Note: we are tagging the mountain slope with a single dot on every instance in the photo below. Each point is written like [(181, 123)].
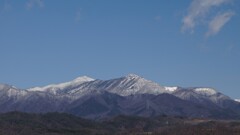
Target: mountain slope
[(55, 88), (131, 84), (129, 95)]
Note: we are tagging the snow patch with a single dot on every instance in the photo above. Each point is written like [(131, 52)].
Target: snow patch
[(237, 100), (61, 86), (206, 91), (83, 79), (171, 89), (132, 76), (132, 84)]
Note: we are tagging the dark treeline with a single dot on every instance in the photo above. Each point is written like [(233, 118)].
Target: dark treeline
[(17, 123)]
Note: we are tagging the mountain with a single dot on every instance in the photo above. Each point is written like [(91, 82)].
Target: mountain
[(237, 100), (128, 95), (59, 88), (130, 85)]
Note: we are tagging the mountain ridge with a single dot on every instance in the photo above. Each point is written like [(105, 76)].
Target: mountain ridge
[(131, 95)]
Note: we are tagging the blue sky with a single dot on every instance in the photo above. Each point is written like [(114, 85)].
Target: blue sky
[(184, 43)]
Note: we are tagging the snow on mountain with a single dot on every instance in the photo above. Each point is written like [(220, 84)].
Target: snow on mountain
[(84, 92), (4, 86), (237, 100), (171, 89), (128, 85), (58, 87), (124, 86), (131, 84), (204, 96), (11, 91), (205, 91)]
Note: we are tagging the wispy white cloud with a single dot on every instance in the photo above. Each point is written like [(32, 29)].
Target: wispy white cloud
[(197, 12), (32, 3), (218, 22)]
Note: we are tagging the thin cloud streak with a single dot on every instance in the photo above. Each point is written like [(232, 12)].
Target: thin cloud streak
[(197, 11), (218, 22)]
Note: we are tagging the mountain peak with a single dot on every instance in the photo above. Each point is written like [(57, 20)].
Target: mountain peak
[(4, 86), (208, 91), (83, 79), (61, 86), (171, 89), (133, 76), (132, 84), (237, 100)]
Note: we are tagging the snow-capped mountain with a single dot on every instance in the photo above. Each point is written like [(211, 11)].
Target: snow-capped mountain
[(199, 93), (171, 89), (123, 86), (130, 95), (205, 91), (54, 88), (11, 91), (130, 85), (237, 100)]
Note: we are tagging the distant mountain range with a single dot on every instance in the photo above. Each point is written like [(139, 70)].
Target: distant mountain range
[(128, 95)]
